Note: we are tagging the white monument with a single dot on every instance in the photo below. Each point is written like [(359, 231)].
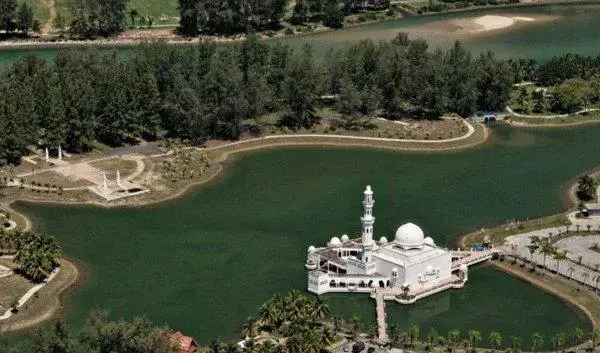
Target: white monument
[(59, 152), (47, 155), (411, 263), (118, 178), (104, 186)]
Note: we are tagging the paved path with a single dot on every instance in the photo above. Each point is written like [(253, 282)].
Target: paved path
[(512, 112), (470, 132), (570, 268), (30, 293), (381, 321), (48, 26)]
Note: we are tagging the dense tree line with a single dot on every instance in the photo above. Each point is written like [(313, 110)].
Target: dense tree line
[(229, 16), (36, 254), (568, 66), (101, 335), (91, 18), (17, 17), (208, 91), (332, 12)]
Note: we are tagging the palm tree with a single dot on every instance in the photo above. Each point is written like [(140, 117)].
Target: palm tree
[(414, 332), (523, 100), (594, 337), (571, 269), (559, 256), (432, 337), (453, 337), (536, 341), (250, 328), (495, 339), (540, 101), (474, 338), (532, 248), (337, 320), (547, 249), (355, 322), (578, 335), (516, 343), (585, 276), (558, 341), (320, 309)]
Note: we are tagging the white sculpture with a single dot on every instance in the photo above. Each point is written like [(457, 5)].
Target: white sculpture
[(104, 180), (47, 155), (118, 178), (59, 152)]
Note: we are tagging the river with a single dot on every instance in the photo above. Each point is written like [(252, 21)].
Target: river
[(203, 263), (555, 29)]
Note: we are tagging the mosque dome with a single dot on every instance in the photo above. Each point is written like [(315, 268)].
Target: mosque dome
[(345, 238), (383, 240), (312, 249), (429, 241), (335, 242), (410, 236)]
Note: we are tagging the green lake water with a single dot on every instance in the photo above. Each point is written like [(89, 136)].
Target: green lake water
[(557, 29), (203, 263)]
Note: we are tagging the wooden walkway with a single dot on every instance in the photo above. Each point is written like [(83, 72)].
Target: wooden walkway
[(381, 321)]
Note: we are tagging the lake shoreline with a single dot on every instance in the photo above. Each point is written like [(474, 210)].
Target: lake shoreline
[(58, 43)]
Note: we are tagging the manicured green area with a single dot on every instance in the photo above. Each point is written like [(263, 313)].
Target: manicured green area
[(579, 118), (164, 11), (203, 263), (40, 10)]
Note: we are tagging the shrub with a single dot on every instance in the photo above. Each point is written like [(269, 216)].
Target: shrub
[(289, 31)]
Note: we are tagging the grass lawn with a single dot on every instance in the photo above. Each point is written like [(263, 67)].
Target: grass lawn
[(496, 235), (11, 287), (436, 129), (124, 166), (573, 119), (165, 12), (40, 10)]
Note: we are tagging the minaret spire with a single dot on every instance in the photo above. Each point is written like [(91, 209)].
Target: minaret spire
[(367, 219)]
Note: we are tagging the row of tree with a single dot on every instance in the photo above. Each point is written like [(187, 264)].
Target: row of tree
[(229, 16), (568, 97), (208, 91), (36, 254), (99, 334), (556, 70), (332, 12), (92, 18), (17, 17)]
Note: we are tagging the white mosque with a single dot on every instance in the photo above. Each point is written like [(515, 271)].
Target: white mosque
[(407, 268)]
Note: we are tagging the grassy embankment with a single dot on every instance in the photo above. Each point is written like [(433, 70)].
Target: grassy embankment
[(497, 234), (164, 12), (559, 121), (41, 10)]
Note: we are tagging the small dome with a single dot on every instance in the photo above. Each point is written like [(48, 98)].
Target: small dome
[(383, 240), (368, 190), (345, 238), (395, 269), (410, 236), (335, 242), (429, 269), (312, 249), (373, 285), (429, 241)]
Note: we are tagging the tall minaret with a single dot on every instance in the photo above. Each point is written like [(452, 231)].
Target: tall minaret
[(367, 221)]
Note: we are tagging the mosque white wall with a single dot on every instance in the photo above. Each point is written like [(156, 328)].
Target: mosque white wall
[(418, 272)]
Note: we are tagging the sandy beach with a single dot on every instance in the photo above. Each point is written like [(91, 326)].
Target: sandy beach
[(494, 22)]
